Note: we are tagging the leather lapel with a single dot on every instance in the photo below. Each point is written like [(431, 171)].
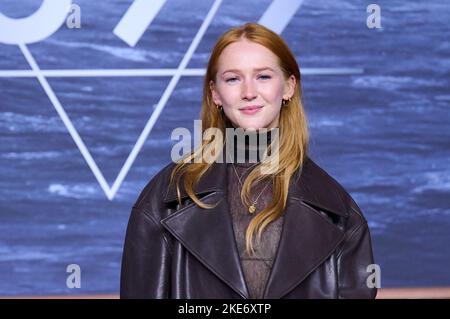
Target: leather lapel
[(307, 239), (208, 233)]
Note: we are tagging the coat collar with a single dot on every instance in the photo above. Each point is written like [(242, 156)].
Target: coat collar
[(296, 258), (310, 184)]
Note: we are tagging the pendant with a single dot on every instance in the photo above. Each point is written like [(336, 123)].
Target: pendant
[(251, 209)]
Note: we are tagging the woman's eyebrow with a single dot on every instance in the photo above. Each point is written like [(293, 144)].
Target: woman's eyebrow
[(257, 69)]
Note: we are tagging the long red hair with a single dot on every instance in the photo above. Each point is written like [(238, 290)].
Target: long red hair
[(293, 132)]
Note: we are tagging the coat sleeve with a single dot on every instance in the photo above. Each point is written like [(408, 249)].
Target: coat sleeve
[(354, 276), (145, 271)]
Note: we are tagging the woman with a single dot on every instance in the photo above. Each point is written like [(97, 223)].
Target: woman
[(229, 229)]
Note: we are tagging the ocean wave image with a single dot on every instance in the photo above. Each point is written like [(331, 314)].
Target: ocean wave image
[(87, 113)]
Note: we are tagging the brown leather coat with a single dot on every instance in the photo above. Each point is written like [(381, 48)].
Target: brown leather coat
[(174, 251)]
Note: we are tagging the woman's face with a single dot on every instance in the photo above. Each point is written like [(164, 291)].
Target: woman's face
[(250, 85)]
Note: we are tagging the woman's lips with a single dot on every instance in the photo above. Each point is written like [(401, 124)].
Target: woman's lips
[(251, 109)]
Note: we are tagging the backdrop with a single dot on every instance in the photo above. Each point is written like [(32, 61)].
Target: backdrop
[(90, 92)]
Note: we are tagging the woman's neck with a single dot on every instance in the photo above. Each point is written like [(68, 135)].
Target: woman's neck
[(246, 146)]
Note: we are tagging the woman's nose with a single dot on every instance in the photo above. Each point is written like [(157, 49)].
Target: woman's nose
[(248, 90)]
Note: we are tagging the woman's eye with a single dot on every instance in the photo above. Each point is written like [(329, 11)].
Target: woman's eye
[(231, 79), (265, 77)]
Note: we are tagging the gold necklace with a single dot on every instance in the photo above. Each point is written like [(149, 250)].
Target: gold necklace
[(252, 207)]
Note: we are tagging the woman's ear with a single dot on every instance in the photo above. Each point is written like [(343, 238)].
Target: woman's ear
[(215, 95), (289, 87)]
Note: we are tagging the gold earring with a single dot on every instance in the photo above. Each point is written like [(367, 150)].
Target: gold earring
[(286, 101), (219, 107)]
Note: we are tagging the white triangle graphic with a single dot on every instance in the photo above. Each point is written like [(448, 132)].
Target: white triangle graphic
[(110, 191)]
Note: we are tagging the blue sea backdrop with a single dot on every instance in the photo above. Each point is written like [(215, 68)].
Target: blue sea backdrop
[(382, 129)]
